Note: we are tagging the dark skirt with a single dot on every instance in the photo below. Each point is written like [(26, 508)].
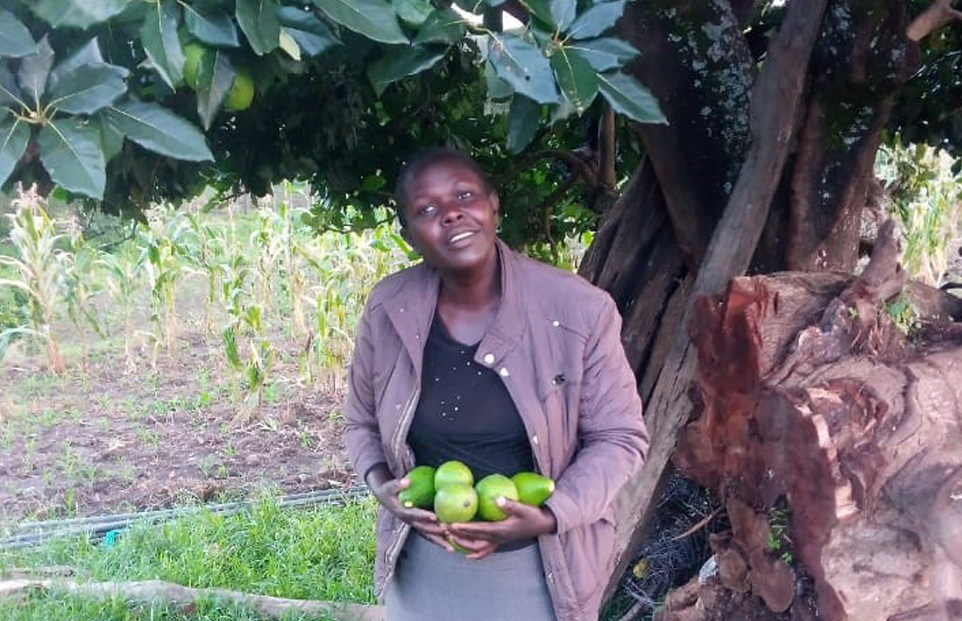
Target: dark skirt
[(430, 583)]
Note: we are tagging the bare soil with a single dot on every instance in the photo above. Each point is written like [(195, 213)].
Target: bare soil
[(159, 437)]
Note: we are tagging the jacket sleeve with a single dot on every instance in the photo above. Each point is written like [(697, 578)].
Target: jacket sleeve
[(362, 434), (613, 441)]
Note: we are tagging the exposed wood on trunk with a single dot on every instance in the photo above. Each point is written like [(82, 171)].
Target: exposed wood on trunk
[(779, 85), (937, 15), (861, 60), (811, 394), (696, 62), (158, 592)]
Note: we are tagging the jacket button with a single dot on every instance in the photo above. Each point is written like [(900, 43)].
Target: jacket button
[(556, 323), (550, 577), (503, 372), (534, 439), (489, 359)]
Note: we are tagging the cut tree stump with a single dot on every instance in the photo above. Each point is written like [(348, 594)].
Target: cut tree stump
[(158, 592), (811, 395)]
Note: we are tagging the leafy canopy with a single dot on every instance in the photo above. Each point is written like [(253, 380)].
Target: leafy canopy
[(132, 101)]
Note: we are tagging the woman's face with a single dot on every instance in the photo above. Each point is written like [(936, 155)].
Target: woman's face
[(451, 217)]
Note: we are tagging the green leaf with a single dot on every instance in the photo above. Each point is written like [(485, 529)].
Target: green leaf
[(523, 120), (442, 26), (111, 138), (88, 88), (34, 71), (375, 19), (258, 20), (10, 94), (497, 88), (161, 43), (630, 98), (15, 39), (210, 98), (414, 12), (159, 130), (395, 66), (605, 53), (73, 156), (578, 81), (87, 54), (312, 35), (596, 20), (215, 29), (556, 13), (77, 13), (524, 66), (14, 136), (289, 45)]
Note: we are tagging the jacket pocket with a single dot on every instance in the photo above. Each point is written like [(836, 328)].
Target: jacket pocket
[(589, 552)]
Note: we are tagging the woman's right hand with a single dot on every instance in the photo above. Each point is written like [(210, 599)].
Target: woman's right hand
[(386, 489)]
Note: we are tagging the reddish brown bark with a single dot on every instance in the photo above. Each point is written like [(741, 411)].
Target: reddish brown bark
[(812, 395)]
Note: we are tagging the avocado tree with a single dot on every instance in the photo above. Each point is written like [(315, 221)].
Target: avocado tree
[(701, 139)]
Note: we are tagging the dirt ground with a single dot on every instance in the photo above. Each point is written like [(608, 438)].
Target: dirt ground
[(157, 438)]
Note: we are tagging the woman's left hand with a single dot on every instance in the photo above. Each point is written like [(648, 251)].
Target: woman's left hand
[(523, 522)]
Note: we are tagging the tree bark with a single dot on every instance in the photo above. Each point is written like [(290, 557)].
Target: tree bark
[(697, 63), (860, 62), (811, 394)]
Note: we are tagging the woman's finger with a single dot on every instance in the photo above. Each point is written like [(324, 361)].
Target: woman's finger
[(439, 540)]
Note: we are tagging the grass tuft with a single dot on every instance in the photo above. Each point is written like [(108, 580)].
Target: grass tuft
[(322, 552)]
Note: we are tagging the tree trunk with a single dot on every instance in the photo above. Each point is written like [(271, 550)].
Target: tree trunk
[(812, 396), (652, 244)]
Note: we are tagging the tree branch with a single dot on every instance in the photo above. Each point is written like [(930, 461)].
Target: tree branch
[(606, 146), (580, 167), (931, 19), (157, 591)]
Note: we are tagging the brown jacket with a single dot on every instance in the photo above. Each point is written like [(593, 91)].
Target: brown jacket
[(555, 343)]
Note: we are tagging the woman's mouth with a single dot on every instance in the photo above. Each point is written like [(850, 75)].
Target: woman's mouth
[(460, 238)]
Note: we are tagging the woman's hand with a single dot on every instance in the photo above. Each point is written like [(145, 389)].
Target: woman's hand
[(385, 488), (523, 522)]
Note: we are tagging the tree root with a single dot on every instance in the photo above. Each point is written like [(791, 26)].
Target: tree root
[(149, 592)]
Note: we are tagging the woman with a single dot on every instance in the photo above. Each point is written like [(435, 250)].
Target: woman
[(483, 355)]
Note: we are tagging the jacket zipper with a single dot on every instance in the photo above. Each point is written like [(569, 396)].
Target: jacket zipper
[(400, 432)]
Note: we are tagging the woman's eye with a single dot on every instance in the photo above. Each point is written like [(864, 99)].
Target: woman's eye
[(465, 195), (426, 210)]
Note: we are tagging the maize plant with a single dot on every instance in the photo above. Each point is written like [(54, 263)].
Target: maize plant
[(266, 243), (256, 366), (38, 273), (123, 268), (296, 281), (163, 253), (80, 292), (207, 249)]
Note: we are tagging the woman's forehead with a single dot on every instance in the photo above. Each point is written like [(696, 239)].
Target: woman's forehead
[(446, 167)]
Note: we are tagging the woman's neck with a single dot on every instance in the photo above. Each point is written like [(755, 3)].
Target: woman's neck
[(476, 290)]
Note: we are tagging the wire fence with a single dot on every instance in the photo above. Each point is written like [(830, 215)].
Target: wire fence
[(97, 527), (670, 555)]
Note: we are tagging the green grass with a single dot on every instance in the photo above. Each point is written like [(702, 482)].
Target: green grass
[(322, 552)]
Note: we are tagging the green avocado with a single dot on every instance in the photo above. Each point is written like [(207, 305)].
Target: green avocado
[(420, 492), (533, 488)]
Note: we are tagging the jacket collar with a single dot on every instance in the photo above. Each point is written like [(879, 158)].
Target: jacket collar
[(411, 310)]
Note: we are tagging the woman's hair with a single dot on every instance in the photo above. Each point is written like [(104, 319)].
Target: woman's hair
[(425, 159)]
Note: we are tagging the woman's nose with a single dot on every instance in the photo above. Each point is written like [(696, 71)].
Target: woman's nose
[(452, 213)]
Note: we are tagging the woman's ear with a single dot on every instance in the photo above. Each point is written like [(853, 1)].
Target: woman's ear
[(495, 202), (406, 236)]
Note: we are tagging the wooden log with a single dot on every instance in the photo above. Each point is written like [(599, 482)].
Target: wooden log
[(158, 592), (853, 424)]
